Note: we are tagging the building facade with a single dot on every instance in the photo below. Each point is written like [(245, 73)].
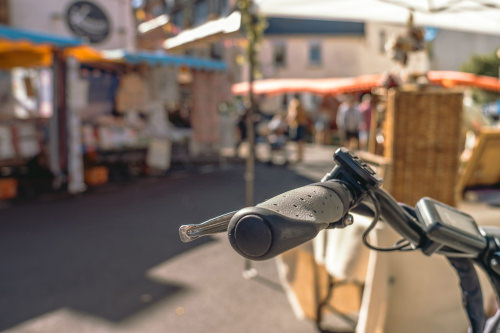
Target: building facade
[(445, 49), (187, 14), (308, 48), (298, 48), (450, 49), (104, 24)]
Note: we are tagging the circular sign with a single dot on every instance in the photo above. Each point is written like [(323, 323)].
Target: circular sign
[(85, 19)]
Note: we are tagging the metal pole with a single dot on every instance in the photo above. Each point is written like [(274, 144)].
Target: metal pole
[(250, 161), (74, 103), (54, 159), (250, 272)]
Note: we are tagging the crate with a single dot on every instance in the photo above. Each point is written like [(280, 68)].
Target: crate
[(8, 188), (424, 138), (97, 175)]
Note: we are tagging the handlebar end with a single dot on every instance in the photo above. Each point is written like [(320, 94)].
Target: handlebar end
[(257, 233), (185, 234), (253, 236)]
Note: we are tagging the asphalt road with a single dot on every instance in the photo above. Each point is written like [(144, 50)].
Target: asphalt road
[(111, 260)]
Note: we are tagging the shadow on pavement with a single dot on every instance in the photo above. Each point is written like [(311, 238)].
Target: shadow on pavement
[(92, 253)]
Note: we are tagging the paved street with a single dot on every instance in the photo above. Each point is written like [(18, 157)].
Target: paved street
[(111, 260)]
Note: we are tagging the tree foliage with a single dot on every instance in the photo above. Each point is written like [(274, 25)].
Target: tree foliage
[(483, 64), (254, 26)]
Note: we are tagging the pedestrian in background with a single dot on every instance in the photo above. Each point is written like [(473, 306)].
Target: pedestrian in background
[(365, 109), (297, 125), (324, 120), (278, 137), (348, 122)]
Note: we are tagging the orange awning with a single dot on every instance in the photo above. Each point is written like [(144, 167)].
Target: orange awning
[(24, 48), (456, 79), (24, 54), (361, 83), (84, 53), (317, 86)]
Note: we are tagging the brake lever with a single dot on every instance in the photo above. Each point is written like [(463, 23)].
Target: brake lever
[(190, 232)]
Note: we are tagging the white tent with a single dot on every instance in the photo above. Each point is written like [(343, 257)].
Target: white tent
[(466, 15)]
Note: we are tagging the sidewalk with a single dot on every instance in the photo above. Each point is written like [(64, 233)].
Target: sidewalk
[(317, 161)]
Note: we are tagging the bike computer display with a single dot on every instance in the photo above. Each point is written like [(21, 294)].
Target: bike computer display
[(448, 228)]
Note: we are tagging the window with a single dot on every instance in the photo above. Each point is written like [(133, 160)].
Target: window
[(216, 51), (158, 9), (137, 3), (315, 54), (4, 12), (279, 54), (200, 14), (221, 7), (178, 19)]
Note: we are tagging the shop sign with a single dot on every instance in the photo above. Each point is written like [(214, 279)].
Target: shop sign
[(87, 20)]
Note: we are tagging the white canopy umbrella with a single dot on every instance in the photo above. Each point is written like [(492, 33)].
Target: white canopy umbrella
[(466, 15)]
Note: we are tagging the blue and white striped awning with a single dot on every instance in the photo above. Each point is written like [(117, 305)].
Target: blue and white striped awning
[(165, 59), (18, 35), (13, 39)]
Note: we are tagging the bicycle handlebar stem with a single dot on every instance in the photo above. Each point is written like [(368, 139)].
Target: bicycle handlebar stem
[(398, 218)]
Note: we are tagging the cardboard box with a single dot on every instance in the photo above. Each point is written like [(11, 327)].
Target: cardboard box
[(8, 188), (96, 176)]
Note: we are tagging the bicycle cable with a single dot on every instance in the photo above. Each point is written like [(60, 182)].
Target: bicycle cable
[(401, 245)]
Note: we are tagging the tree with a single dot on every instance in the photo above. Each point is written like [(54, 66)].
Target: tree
[(254, 26), (483, 64)]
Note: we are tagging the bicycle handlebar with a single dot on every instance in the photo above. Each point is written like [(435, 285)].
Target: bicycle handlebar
[(296, 216), (289, 219)]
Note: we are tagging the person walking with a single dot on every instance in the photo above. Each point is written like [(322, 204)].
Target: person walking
[(348, 122), (365, 109), (297, 125), (324, 123), (278, 137)]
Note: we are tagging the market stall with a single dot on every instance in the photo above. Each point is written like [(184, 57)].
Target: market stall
[(146, 110), (73, 116), (32, 115)]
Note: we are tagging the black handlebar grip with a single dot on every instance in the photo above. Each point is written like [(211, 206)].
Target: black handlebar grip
[(288, 220)]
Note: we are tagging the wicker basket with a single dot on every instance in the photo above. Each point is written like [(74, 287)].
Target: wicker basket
[(423, 141)]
